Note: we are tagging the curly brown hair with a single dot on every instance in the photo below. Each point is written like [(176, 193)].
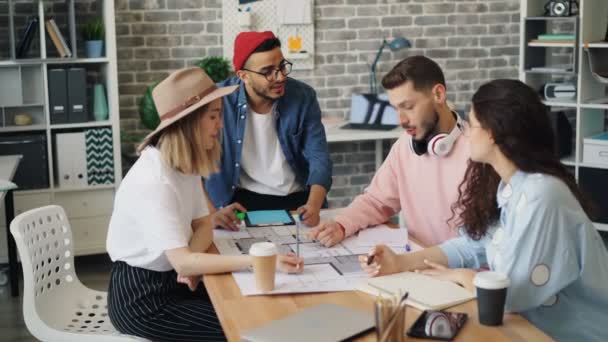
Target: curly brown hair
[(518, 121)]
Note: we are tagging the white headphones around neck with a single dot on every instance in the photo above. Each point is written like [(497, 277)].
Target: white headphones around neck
[(439, 144)]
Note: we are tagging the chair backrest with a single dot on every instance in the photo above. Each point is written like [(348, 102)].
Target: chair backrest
[(44, 240)]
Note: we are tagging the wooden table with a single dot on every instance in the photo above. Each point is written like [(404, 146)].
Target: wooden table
[(238, 313), (8, 166)]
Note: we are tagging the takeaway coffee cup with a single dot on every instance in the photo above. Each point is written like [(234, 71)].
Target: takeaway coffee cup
[(264, 259), (491, 295)]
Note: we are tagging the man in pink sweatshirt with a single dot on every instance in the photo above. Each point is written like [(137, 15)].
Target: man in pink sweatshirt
[(424, 168)]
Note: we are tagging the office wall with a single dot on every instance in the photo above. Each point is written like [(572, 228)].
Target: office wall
[(473, 40)]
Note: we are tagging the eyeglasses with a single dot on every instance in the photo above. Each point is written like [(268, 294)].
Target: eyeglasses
[(466, 128), (272, 74)]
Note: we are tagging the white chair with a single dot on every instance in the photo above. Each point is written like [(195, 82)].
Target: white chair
[(56, 305)]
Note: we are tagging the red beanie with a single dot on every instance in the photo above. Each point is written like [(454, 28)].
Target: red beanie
[(244, 45)]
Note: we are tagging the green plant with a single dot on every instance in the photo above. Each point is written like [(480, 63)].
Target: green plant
[(93, 30), (218, 68), (147, 110)]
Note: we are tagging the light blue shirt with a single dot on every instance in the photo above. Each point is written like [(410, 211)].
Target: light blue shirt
[(556, 259)]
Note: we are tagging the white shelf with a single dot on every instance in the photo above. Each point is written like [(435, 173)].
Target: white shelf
[(33, 191), (551, 72), (560, 104), (595, 45), (594, 106), (83, 124), (551, 18), (549, 44), (601, 226), (594, 166), (25, 105), (569, 160), (18, 62), (85, 188), (76, 60), (37, 61), (22, 128)]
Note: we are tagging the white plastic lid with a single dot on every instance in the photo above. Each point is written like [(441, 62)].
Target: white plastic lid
[(263, 249), (491, 280)]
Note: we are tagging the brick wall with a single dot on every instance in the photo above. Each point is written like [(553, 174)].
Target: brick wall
[(473, 41)]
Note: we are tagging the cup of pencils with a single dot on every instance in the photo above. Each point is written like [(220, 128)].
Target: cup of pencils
[(390, 318)]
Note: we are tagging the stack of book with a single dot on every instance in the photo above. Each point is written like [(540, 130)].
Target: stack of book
[(554, 38), (53, 31)]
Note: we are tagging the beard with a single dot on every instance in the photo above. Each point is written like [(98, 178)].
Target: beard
[(428, 127), (264, 92)]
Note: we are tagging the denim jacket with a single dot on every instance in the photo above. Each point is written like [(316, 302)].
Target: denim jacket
[(299, 129)]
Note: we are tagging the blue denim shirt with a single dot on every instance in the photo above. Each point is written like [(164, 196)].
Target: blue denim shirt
[(299, 129)]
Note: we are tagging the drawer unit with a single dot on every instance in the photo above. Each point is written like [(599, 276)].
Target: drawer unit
[(595, 149), (86, 203)]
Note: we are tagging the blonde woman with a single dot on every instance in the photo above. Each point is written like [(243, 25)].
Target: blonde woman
[(160, 230)]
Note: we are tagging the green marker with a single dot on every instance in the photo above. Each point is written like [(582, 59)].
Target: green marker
[(239, 215)]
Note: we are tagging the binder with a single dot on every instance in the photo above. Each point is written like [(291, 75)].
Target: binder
[(55, 39), (71, 159), (64, 45), (58, 97), (28, 36), (77, 95)]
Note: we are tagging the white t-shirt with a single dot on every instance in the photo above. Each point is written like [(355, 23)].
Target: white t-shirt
[(264, 168), (153, 211)]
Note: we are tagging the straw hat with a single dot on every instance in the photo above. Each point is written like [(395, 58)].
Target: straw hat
[(182, 93)]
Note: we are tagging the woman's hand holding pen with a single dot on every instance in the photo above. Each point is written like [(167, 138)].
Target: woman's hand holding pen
[(226, 217), (289, 263), (381, 260)]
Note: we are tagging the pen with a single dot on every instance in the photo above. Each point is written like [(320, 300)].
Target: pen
[(370, 259), (298, 242)]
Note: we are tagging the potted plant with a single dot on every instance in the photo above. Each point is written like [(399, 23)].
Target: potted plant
[(218, 68), (93, 34)]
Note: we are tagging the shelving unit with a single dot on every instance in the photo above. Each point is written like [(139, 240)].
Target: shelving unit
[(24, 88), (589, 119)]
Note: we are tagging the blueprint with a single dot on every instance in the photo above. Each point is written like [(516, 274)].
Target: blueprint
[(326, 269)]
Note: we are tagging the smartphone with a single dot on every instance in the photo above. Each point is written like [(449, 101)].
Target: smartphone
[(438, 325)]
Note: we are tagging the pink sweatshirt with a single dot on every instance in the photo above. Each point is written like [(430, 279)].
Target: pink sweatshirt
[(423, 187)]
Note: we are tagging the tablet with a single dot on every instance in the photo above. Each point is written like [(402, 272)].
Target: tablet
[(261, 218)]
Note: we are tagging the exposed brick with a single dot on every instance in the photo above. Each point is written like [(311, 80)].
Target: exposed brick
[(363, 23), (187, 28), (396, 21), (146, 4), (148, 29), (169, 64), (183, 4), (161, 16), (433, 8), (163, 41)]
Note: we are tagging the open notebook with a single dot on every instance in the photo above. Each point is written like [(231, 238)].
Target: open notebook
[(425, 293)]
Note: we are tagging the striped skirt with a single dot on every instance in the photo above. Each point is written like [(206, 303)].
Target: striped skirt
[(153, 305)]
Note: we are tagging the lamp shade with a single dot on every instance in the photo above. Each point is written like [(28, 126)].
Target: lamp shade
[(399, 43)]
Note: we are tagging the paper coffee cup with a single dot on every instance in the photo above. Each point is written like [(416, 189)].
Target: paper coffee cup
[(491, 296), (264, 259)]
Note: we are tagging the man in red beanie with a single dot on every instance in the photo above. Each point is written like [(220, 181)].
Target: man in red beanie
[(275, 153)]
